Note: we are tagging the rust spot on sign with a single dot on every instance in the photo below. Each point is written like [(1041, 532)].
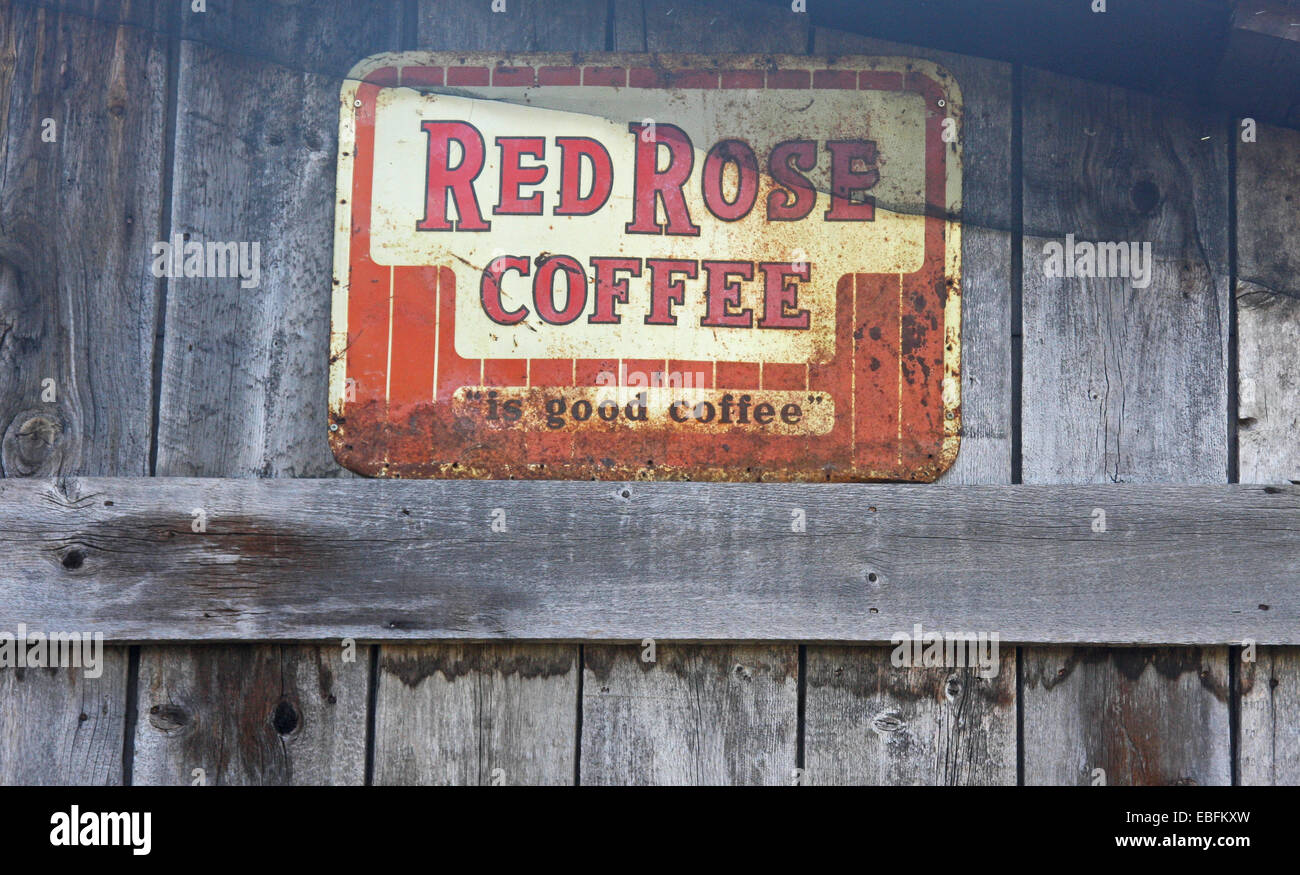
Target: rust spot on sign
[(647, 266)]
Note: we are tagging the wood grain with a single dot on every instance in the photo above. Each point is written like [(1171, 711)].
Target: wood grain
[(1140, 716), (252, 715), (870, 722), (498, 715), (58, 726), (1268, 307), (374, 560), (78, 309), (1268, 417), (1125, 384), (244, 369), (716, 715)]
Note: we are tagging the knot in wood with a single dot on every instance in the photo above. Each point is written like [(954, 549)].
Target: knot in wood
[(168, 719), (33, 445)]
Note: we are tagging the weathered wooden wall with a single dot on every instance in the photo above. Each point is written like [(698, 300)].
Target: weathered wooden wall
[(222, 124)]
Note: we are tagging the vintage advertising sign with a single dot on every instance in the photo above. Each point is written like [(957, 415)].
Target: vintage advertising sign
[(647, 266)]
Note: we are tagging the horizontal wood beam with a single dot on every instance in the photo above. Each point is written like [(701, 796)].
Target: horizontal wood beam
[(149, 559)]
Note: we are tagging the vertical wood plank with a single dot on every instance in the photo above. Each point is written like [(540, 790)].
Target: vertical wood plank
[(244, 373), (698, 714), (1124, 384), (475, 714), (251, 715), (867, 722), (1268, 417), (78, 308), (485, 713)]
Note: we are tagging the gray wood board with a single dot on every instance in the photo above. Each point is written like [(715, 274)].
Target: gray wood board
[(244, 372), (1268, 307), (374, 560), (871, 722), (1268, 417), (690, 714), (496, 714), (1130, 716), (78, 308), (252, 715), (1123, 383), (866, 721)]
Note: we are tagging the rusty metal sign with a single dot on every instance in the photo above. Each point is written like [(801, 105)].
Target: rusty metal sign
[(647, 266)]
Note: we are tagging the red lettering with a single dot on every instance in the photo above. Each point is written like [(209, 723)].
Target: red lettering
[(513, 176), (721, 294), (544, 290), (739, 153), (572, 152), (845, 181), (775, 303), (490, 289), (442, 178), (666, 291), (653, 185), (610, 289), (782, 206)]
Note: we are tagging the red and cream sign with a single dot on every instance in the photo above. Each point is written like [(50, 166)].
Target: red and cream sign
[(622, 266)]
